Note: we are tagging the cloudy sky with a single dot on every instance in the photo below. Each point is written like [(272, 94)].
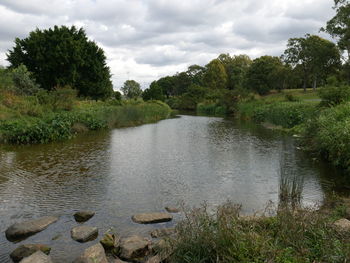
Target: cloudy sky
[(147, 39)]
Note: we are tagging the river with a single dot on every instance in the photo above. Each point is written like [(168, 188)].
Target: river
[(121, 172)]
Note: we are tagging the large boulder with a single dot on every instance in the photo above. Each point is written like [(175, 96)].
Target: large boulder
[(84, 233), (24, 229), (83, 216), (93, 254), (24, 251), (134, 247), (150, 218), (342, 224), (37, 257), (162, 232)]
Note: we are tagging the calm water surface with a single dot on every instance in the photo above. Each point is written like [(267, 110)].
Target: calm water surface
[(142, 169)]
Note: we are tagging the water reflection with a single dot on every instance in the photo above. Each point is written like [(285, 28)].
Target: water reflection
[(125, 171)]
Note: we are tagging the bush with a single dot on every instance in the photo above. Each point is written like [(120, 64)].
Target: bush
[(58, 99), (333, 95)]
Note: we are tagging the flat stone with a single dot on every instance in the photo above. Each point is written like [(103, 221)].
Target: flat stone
[(162, 232), (154, 259), (134, 247), (83, 216), (25, 229), (93, 254), (37, 257), (24, 251), (84, 233), (172, 209), (342, 224), (151, 218)]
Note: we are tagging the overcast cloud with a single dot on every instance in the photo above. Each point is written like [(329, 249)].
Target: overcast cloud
[(147, 39)]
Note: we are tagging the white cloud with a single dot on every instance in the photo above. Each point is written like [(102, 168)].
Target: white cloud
[(148, 39)]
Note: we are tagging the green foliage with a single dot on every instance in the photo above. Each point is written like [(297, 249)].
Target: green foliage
[(117, 95), (23, 81), (58, 98), (261, 74), (332, 95), (64, 56), (215, 76), (288, 237), (329, 135), (131, 89), (154, 92)]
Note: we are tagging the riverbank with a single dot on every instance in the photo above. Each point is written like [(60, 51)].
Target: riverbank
[(324, 131), (33, 119)]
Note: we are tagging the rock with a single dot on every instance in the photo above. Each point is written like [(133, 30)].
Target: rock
[(84, 233), (150, 218), (342, 224), (26, 250), (172, 209), (162, 232), (27, 228), (37, 257), (134, 247), (118, 260), (93, 254), (83, 216), (154, 259)]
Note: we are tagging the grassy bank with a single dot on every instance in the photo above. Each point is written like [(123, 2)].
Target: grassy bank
[(45, 118), (291, 236), (325, 130)]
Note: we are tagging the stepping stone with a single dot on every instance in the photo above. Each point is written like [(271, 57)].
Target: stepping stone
[(37, 257), (172, 209), (27, 228), (93, 254), (84, 233), (134, 247), (24, 251), (151, 218), (342, 224), (162, 232), (83, 216)]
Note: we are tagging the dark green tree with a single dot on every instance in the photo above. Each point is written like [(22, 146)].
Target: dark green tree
[(215, 76), (154, 92), (131, 89), (64, 56), (261, 74)]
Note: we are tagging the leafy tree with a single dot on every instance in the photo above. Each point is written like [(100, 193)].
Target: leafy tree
[(261, 74), (64, 56), (196, 74), (117, 95), (318, 57), (131, 89), (215, 76), (23, 81), (154, 92)]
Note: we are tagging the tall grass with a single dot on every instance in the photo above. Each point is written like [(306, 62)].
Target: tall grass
[(288, 237)]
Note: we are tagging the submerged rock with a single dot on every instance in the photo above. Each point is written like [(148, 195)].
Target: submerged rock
[(27, 228), (172, 209), (150, 218), (83, 216), (342, 224), (37, 257), (24, 251), (84, 233), (134, 247), (93, 254), (162, 232)]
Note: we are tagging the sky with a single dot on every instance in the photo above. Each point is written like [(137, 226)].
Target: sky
[(145, 40)]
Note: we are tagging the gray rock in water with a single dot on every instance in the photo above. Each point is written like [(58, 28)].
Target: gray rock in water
[(162, 232), (342, 224), (83, 216), (84, 233), (24, 251), (151, 218), (93, 254), (172, 209), (134, 247), (37, 257), (27, 228)]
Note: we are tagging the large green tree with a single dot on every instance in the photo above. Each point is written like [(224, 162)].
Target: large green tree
[(131, 89), (64, 56), (154, 92), (318, 57), (215, 76), (261, 76)]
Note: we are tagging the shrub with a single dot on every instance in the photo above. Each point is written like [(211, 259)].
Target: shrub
[(333, 95), (58, 99)]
